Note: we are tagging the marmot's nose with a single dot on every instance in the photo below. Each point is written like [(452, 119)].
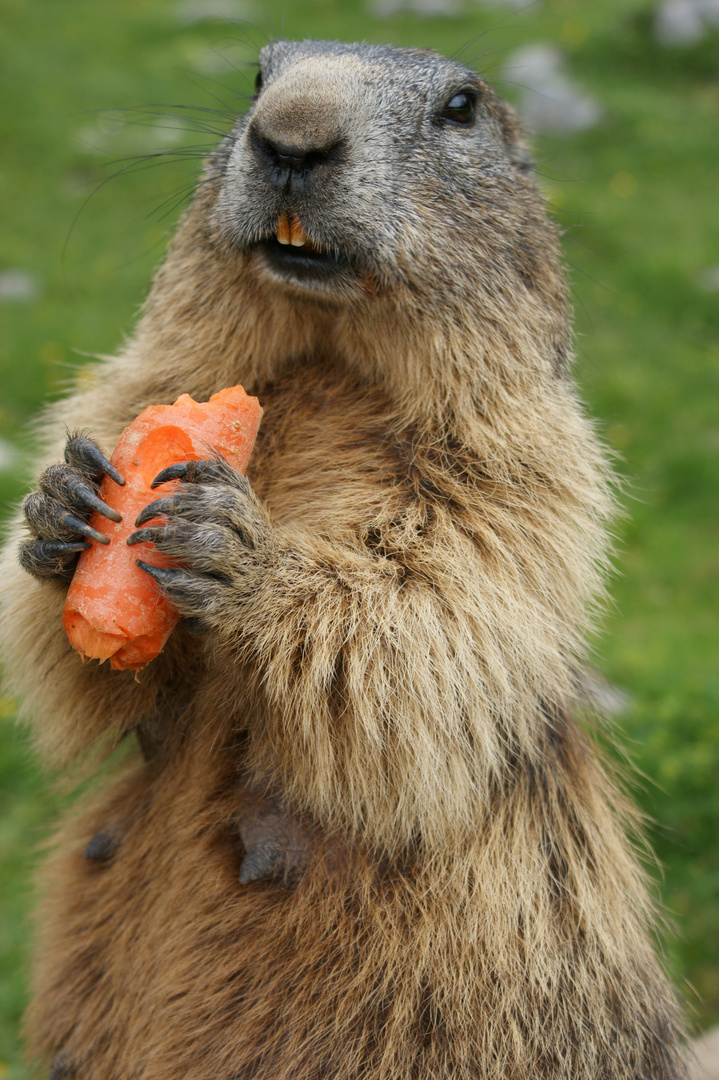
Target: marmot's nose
[(297, 128), (291, 163)]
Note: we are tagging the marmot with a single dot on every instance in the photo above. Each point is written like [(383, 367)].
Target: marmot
[(363, 835)]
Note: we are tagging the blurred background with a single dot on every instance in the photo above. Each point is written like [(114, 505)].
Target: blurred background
[(107, 111)]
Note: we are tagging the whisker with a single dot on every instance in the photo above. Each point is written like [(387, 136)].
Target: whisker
[(136, 163), (493, 28)]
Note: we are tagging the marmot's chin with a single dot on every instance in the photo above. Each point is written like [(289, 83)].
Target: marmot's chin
[(308, 267)]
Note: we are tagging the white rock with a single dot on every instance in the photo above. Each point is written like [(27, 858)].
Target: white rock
[(705, 1052), (709, 279), (385, 9), (710, 9), (216, 60), (18, 287), (100, 136), (8, 454), (608, 699), (195, 11), (550, 101), (170, 130), (535, 63), (518, 5), (684, 22)]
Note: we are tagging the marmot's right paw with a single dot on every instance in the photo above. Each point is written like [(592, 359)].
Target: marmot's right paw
[(102, 846), (58, 512)]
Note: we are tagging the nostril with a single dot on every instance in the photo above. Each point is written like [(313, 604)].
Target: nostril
[(290, 158), (293, 159), (262, 147), (275, 153)]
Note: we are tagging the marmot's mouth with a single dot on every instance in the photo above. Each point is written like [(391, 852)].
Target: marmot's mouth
[(297, 259)]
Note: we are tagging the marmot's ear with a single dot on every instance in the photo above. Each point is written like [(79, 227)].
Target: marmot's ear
[(514, 138)]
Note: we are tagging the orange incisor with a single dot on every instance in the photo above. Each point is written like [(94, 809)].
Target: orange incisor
[(289, 231)]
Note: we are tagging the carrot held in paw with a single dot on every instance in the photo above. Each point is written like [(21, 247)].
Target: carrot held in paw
[(113, 610)]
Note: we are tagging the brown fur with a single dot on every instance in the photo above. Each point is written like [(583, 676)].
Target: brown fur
[(397, 657)]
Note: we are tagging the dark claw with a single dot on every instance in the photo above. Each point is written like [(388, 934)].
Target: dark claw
[(47, 558), (160, 574), (43, 515), (82, 495), (182, 470), (75, 524), (166, 505), (84, 451), (53, 549), (146, 536), (102, 846), (74, 491)]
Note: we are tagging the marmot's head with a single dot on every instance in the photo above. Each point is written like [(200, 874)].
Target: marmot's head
[(362, 167), (375, 207)]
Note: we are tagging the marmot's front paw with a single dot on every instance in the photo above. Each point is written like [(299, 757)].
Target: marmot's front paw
[(58, 512), (217, 530)]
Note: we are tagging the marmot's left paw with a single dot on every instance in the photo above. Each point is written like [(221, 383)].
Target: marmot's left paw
[(216, 529), (277, 845), (61, 1068)]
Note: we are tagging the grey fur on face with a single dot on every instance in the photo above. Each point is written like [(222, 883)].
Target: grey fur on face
[(373, 121)]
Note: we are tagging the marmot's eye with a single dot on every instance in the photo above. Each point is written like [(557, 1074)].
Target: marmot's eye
[(460, 110), (258, 82)]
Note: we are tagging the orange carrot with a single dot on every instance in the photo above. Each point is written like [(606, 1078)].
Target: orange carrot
[(113, 609)]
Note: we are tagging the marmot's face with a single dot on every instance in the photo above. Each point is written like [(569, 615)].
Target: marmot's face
[(359, 169)]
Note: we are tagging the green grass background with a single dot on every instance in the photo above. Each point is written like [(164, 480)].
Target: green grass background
[(84, 84)]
